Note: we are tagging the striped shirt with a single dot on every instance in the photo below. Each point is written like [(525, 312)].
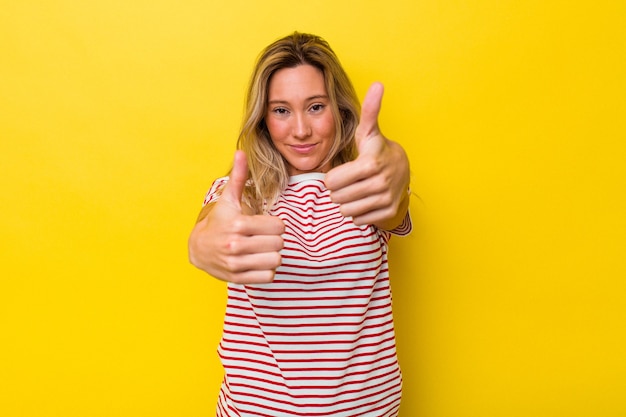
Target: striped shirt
[(319, 340)]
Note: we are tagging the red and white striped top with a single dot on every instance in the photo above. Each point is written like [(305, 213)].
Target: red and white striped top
[(319, 340)]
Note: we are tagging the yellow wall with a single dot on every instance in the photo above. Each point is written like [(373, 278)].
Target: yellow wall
[(115, 116)]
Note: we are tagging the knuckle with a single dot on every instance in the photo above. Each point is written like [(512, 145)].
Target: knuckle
[(386, 200), (231, 264), (231, 246), (371, 165), (390, 212), (238, 225), (235, 245), (379, 183)]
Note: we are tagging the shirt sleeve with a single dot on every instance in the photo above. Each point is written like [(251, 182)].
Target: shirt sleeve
[(215, 191), (404, 228)]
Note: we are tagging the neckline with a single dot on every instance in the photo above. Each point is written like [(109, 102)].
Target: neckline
[(307, 176)]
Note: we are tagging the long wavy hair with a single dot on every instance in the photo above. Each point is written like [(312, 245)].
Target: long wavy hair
[(268, 175)]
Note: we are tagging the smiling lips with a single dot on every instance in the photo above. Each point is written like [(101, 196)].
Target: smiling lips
[(303, 149)]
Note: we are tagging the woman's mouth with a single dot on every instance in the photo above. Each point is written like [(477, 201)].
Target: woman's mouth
[(303, 149)]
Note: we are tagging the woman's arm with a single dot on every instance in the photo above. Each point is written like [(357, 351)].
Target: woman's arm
[(373, 188), (229, 243)]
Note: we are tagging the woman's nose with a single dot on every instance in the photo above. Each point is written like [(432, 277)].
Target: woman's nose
[(301, 128)]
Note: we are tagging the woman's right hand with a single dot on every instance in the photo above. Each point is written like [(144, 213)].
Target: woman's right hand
[(232, 245)]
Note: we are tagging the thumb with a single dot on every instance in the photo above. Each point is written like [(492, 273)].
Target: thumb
[(368, 124), (237, 179)]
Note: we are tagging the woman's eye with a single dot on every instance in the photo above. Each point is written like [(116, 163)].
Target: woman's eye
[(317, 107), (280, 110)]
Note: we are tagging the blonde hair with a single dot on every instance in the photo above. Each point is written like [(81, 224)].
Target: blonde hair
[(268, 170)]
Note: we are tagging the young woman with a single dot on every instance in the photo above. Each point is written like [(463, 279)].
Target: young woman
[(299, 230)]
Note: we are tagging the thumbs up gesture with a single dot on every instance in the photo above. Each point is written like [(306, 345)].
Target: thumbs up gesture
[(372, 189), (230, 243)]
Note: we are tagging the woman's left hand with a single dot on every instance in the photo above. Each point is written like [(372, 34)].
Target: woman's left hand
[(372, 189)]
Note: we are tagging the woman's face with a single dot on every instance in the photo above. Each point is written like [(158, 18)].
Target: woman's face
[(299, 118)]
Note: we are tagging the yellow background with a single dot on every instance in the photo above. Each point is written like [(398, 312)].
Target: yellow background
[(115, 116)]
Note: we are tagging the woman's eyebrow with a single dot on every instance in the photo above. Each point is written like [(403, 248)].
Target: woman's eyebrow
[(315, 97)]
